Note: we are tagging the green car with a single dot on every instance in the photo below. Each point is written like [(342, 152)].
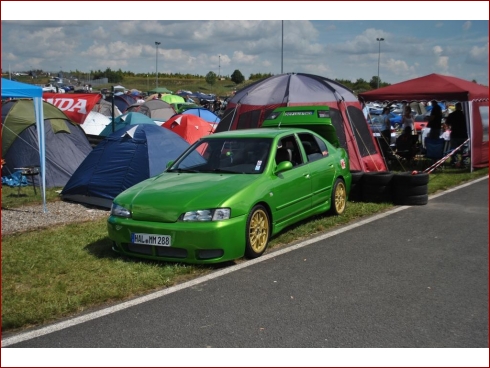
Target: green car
[(226, 195)]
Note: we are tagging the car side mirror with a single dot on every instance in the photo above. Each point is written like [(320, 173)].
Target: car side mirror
[(283, 166), (170, 163)]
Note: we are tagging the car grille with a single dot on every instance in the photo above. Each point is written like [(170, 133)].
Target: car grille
[(159, 251)]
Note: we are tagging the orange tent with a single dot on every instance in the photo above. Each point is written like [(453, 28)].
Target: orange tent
[(189, 127)]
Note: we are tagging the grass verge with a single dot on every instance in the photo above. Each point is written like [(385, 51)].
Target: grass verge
[(57, 272)]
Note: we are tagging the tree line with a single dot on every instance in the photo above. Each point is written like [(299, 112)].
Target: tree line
[(118, 76)]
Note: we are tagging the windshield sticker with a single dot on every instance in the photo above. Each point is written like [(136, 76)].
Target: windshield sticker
[(259, 164)]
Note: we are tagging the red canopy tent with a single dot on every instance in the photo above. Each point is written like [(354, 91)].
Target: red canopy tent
[(473, 96)]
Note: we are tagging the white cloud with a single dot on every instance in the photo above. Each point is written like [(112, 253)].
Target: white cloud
[(240, 57), (442, 64), (437, 50), (466, 25), (478, 55)]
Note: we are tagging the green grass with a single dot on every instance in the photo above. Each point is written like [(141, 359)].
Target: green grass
[(16, 197), (53, 273)]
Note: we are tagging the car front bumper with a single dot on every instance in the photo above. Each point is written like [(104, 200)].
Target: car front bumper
[(192, 242)]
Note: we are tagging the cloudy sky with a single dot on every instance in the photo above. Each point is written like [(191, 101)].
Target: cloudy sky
[(448, 38)]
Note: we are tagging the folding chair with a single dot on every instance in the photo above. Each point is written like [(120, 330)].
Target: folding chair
[(434, 148)]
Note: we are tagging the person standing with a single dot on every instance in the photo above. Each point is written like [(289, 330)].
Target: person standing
[(407, 119), (456, 121), (385, 129), (435, 120)]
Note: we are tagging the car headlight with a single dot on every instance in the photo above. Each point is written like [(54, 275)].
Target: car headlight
[(215, 214), (120, 211)]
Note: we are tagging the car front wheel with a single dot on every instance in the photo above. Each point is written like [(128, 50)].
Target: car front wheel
[(257, 232), (339, 198)]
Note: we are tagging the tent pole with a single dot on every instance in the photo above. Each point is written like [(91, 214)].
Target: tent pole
[(468, 112), (112, 94), (39, 114)]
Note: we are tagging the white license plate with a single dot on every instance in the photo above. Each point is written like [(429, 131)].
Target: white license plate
[(151, 239)]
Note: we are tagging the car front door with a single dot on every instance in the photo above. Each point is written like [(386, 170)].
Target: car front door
[(291, 190), (320, 167)]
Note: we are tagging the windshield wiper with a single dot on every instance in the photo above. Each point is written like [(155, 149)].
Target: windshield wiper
[(184, 170), (226, 171)]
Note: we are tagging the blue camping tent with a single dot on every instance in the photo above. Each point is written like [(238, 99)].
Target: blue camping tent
[(121, 160), (122, 121), (203, 113), (12, 89)]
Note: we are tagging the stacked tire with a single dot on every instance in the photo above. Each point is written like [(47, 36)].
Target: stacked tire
[(410, 189), (355, 193), (377, 187)]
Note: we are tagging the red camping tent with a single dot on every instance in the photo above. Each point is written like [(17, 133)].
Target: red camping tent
[(189, 127), (252, 104), (474, 98)]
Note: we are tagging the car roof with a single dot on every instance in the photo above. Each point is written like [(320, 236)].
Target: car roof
[(257, 133)]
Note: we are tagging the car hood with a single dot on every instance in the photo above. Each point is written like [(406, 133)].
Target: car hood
[(167, 196)]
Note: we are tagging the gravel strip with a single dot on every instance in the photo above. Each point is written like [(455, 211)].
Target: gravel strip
[(60, 212)]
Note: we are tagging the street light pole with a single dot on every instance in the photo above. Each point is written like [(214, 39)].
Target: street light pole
[(156, 65), (219, 67), (379, 54)]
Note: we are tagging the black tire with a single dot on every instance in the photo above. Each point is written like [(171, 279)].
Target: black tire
[(356, 185), (355, 193), (415, 200), (407, 190), (406, 178), (377, 178), (257, 232), (376, 193), (356, 176), (338, 198)]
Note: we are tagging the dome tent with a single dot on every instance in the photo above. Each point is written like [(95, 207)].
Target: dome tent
[(123, 159), (155, 109), (189, 127), (252, 104), (11, 89), (66, 145)]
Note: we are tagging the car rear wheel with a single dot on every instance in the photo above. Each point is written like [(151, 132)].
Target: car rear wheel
[(339, 198), (258, 230)]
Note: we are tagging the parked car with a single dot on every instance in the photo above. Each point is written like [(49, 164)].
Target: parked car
[(395, 120), (420, 122), (227, 194), (52, 88)]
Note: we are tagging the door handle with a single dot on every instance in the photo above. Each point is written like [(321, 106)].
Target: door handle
[(307, 176)]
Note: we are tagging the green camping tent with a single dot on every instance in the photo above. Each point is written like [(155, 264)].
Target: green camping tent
[(159, 90), (20, 116), (172, 99)]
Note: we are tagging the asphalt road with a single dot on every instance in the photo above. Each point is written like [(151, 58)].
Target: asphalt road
[(414, 278)]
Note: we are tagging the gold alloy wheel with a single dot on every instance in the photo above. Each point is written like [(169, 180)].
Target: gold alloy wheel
[(340, 198), (258, 231)]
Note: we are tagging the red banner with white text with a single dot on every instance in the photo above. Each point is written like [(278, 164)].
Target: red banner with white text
[(75, 106)]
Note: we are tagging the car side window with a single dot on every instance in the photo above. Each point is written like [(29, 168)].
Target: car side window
[(314, 147), (290, 144)]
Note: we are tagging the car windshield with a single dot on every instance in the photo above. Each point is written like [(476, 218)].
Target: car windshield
[(225, 155)]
